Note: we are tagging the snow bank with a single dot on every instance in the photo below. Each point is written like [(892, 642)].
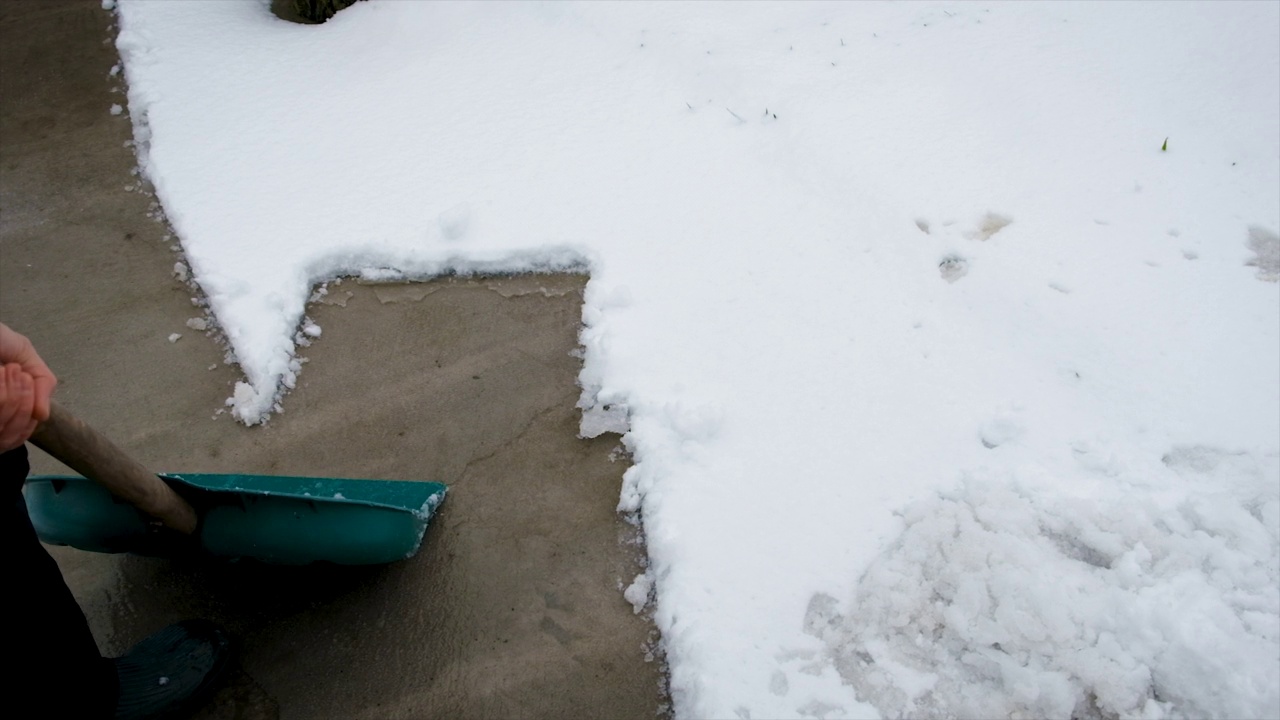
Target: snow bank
[(841, 256)]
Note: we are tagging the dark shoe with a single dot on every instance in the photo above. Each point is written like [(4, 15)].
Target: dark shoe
[(173, 672)]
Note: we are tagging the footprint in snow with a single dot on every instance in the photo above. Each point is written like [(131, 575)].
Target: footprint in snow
[(819, 710), (1265, 245), (989, 225), (455, 221), (999, 431), (778, 684), (953, 267), (1198, 458)]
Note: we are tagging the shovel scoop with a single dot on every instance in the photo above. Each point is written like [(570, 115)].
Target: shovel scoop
[(120, 506)]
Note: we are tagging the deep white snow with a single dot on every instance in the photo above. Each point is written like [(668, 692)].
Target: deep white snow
[(949, 391)]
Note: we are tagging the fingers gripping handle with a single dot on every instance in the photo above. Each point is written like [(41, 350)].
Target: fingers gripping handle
[(78, 446)]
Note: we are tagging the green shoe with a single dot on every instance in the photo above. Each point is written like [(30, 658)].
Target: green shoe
[(173, 672)]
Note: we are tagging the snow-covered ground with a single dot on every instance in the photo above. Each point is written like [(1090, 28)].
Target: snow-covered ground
[(950, 386)]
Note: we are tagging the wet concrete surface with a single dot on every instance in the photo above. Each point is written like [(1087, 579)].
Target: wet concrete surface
[(512, 607)]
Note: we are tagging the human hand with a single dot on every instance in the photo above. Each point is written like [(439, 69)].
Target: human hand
[(26, 386)]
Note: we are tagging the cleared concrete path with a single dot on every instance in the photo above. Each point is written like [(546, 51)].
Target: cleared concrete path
[(511, 609)]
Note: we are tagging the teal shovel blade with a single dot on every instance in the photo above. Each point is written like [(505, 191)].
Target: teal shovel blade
[(274, 519)]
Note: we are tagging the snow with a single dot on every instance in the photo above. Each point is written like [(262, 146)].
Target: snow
[(600, 419), (638, 592), (1265, 245), (949, 391), (1000, 601)]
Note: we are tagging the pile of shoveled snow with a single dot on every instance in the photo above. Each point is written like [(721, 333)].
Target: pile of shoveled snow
[(1004, 601)]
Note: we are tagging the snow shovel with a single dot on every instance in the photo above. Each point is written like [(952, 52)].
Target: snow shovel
[(274, 519)]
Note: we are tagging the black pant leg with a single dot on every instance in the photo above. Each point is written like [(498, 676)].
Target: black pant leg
[(47, 638)]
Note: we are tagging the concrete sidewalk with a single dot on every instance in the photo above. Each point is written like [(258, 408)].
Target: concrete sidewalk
[(511, 609)]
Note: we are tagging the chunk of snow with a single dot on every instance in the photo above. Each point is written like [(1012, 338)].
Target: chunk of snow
[(637, 593), (599, 420), (173, 337)]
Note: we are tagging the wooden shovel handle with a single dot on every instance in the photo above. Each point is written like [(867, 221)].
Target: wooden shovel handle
[(78, 446)]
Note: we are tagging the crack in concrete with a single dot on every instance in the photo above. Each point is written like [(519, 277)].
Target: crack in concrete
[(509, 443)]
